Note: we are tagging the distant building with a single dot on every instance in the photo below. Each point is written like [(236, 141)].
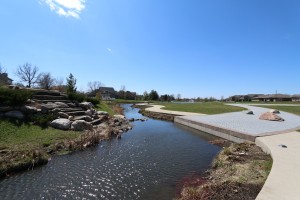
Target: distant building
[(274, 97), (247, 97), (107, 93), (4, 79)]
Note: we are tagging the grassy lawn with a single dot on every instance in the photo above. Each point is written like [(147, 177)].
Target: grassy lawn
[(290, 109), (204, 108), (22, 137), (107, 107)]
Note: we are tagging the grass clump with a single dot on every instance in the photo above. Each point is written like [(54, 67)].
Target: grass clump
[(204, 108)]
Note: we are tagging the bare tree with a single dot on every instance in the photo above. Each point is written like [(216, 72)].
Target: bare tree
[(178, 97), (95, 85), (46, 81), (29, 74), (59, 82), (2, 69)]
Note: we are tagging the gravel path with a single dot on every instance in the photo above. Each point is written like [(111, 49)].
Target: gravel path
[(250, 124)]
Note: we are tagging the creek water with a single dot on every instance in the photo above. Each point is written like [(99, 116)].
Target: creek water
[(149, 162)]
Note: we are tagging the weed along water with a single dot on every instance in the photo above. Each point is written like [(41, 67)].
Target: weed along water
[(149, 162)]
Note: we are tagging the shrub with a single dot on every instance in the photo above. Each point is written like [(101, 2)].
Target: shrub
[(93, 100), (12, 97), (43, 119), (76, 96)]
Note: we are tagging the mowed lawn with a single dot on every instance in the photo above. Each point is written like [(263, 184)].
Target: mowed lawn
[(19, 136), (204, 108), (290, 109)]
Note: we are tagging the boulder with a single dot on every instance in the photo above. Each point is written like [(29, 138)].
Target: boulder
[(29, 109), (270, 117), (14, 114), (102, 113), (89, 112), (81, 125), (63, 115), (86, 105), (248, 112), (96, 122), (84, 117), (48, 106), (6, 108), (63, 124), (71, 105), (62, 105), (274, 111)]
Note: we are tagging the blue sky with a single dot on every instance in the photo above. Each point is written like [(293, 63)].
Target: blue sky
[(193, 47)]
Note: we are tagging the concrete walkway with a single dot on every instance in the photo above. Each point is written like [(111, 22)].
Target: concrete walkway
[(284, 179), (158, 109)]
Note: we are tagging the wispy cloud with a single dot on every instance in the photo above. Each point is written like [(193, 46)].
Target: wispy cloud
[(67, 8), (109, 49)]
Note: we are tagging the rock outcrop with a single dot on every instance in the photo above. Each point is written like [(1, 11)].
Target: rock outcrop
[(81, 125)]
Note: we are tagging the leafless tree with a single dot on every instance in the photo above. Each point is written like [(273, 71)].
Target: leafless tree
[(59, 82), (178, 97), (28, 73), (2, 69), (95, 85), (46, 81)]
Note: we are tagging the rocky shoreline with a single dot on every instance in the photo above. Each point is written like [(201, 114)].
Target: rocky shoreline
[(154, 115)]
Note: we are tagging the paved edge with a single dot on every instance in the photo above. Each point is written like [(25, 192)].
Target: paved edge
[(225, 133), (284, 178)]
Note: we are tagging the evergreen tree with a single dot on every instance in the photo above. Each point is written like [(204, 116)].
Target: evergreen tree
[(71, 83)]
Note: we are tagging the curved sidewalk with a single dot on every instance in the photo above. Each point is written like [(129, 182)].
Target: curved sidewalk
[(158, 109), (284, 178)]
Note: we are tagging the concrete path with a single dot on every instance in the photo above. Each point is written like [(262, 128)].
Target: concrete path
[(241, 125), (158, 109), (284, 179)]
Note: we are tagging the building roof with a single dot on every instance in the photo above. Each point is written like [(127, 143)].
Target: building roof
[(108, 89), (274, 96)]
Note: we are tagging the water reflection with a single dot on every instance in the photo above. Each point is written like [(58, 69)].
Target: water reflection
[(145, 164)]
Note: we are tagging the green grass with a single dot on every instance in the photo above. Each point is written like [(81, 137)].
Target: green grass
[(18, 136), (107, 107), (204, 108), (290, 109)]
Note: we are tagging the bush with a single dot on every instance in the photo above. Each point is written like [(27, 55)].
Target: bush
[(12, 97), (76, 96), (93, 100), (43, 119)]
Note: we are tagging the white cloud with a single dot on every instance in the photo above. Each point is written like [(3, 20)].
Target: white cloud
[(109, 49), (67, 8)]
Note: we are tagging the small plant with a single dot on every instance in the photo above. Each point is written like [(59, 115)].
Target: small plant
[(42, 120)]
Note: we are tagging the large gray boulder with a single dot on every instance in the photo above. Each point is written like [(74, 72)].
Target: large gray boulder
[(274, 111), (14, 114), (271, 117), (29, 109), (81, 125), (62, 124)]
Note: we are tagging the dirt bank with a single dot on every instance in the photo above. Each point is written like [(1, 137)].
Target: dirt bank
[(154, 115), (238, 172)]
